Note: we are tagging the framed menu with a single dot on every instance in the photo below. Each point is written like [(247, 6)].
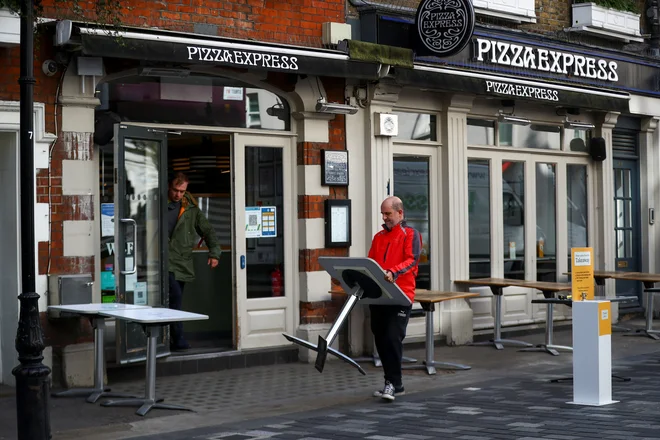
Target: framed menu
[(337, 223)]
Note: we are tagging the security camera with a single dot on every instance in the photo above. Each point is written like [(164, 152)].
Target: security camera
[(49, 67)]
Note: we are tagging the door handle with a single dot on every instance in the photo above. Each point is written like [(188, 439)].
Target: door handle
[(134, 270)]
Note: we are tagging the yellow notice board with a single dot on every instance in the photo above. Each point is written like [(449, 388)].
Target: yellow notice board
[(604, 318), (582, 273)]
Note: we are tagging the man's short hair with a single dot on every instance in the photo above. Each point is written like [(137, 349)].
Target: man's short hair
[(397, 205), (178, 178)]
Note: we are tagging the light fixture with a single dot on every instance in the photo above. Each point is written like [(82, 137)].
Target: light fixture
[(575, 125), (335, 108), (511, 119)]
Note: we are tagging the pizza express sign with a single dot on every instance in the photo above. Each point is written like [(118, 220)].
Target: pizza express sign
[(443, 27), (242, 58), (545, 60)]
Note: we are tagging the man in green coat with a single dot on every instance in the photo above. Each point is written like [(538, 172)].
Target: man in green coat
[(185, 221)]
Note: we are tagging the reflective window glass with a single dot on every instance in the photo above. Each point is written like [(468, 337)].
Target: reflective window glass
[(576, 201), (513, 213), (543, 137), (417, 126), (577, 140), (411, 185), (190, 100), (479, 217), (546, 215), (480, 132)]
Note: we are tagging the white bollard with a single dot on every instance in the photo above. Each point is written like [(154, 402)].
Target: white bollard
[(592, 353)]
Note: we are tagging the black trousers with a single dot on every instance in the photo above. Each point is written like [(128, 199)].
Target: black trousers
[(176, 303), (388, 324)]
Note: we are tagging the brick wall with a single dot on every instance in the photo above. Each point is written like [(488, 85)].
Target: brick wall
[(290, 21), (312, 206)]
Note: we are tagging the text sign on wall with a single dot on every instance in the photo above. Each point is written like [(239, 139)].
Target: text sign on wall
[(242, 58), (582, 273), (546, 60), (521, 91), (444, 27)]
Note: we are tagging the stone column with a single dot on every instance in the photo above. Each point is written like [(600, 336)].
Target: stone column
[(648, 166), (454, 189)]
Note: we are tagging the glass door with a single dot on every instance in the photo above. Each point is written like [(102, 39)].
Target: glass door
[(265, 252), (140, 201), (627, 226)]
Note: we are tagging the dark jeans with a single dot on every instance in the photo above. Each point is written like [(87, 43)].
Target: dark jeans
[(176, 303), (388, 324)]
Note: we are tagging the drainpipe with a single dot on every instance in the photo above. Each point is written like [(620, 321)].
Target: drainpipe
[(653, 16)]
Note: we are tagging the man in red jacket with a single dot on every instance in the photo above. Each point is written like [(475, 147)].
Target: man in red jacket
[(397, 249)]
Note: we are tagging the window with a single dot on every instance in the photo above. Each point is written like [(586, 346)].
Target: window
[(513, 216), (479, 217), (417, 126), (411, 185), (546, 215), (480, 132), (543, 137), (253, 115)]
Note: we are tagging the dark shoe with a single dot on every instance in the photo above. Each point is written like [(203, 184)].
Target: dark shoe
[(180, 347), (389, 392)]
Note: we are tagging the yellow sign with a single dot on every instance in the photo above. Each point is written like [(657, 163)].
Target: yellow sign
[(604, 318), (582, 273)]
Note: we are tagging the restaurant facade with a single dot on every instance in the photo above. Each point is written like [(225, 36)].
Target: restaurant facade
[(506, 153)]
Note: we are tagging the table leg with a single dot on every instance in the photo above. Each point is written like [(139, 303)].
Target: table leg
[(149, 401), (549, 346), (430, 364), (98, 390), (648, 330), (497, 341)]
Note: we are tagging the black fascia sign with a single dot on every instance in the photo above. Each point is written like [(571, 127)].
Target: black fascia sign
[(443, 27)]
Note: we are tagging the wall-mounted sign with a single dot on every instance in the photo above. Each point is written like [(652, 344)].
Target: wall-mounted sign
[(521, 91), (444, 27), (546, 60), (242, 58), (334, 167)]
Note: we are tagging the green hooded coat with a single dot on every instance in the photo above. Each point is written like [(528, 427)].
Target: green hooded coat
[(191, 222)]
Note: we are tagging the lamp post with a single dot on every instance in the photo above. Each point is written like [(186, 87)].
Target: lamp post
[(32, 376)]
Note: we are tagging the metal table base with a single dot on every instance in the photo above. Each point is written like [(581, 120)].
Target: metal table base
[(548, 346), (497, 340), (98, 390), (648, 330), (430, 365), (149, 401)]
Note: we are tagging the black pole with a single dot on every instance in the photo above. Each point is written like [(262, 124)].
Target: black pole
[(32, 376)]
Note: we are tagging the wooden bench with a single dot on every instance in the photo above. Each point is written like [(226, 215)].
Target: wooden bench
[(427, 299)]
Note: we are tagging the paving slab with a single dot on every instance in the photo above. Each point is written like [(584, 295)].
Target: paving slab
[(254, 393)]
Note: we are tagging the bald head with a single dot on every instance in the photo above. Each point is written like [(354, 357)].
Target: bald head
[(392, 211)]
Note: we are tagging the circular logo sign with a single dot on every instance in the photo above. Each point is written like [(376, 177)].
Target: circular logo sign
[(445, 26)]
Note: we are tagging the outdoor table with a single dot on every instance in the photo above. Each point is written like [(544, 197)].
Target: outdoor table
[(428, 299), (549, 291), (497, 286), (151, 321), (93, 313)]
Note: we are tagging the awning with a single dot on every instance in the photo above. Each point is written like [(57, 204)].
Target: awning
[(190, 49), (509, 87)]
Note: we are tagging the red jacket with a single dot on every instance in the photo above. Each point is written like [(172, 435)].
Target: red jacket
[(398, 251)]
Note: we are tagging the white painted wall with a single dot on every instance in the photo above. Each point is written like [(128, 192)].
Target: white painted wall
[(9, 256)]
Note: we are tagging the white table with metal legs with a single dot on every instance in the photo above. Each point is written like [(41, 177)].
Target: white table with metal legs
[(428, 299), (92, 312), (151, 321)]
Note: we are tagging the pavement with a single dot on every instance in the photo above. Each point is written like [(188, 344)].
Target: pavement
[(506, 395)]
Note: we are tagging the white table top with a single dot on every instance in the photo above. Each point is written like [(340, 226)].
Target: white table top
[(95, 308), (153, 315)]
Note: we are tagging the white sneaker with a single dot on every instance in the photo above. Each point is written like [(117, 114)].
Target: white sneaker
[(389, 392)]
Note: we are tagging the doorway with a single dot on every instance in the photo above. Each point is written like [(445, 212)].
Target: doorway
[(9, 254)]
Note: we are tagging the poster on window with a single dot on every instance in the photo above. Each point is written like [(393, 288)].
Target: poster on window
[(107, 219), (260, 221)]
